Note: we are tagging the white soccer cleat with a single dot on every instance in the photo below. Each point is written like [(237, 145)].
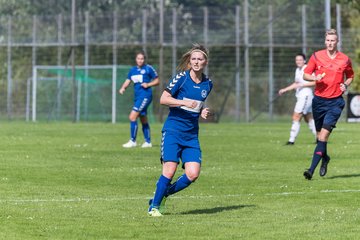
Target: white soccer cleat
[(146, 145), (154, 212), (129, 144)]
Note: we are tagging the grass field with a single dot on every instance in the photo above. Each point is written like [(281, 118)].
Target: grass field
[(75, 181)]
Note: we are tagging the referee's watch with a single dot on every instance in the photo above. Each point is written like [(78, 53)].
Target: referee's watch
[(346, 86)]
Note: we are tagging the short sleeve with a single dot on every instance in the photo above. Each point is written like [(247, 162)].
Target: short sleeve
[(210, 85), (349, 72), (176, 83), (129, 74), (311, 65), (152, 72)]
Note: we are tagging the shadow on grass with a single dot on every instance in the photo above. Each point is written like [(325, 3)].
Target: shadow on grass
[(344, 176), (216, 209)]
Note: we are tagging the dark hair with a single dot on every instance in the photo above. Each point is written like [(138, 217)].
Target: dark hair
[(301, 54), (142, 53)]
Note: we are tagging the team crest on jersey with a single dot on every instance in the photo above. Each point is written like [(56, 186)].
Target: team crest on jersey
[(143, 71), (204, 93)]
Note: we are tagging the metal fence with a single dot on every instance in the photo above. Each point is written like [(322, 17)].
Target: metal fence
[(252, 48)]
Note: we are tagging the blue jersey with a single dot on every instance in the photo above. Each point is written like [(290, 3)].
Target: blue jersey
[(139, 75), (183, 119)]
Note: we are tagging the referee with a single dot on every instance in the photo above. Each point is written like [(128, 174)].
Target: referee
[(333, 75)]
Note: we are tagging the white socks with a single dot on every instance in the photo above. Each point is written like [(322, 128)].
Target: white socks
[(311, 125), (295, 128)]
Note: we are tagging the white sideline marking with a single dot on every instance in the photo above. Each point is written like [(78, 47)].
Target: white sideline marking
[(116, 199)]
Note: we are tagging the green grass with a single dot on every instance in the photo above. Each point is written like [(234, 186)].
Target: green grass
[(75, 181)]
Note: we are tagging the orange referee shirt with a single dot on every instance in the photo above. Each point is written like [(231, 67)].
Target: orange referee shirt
[(334, 69)]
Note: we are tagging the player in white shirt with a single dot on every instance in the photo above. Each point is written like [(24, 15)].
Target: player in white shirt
[(304, 95)]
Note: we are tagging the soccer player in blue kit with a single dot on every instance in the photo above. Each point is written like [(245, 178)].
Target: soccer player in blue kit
[(185, 95), (144, 77)]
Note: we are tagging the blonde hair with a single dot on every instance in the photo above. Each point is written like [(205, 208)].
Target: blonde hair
[(331, 32), (185, 58)]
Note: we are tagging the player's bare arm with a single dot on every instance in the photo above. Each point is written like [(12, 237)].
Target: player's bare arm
[(313, 78), (308, 84), (289, 88), (168, 100), (205, 113), (344, 86), (124, 86), (153, 83)]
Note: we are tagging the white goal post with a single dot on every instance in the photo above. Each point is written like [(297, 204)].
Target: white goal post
[(36, 77)]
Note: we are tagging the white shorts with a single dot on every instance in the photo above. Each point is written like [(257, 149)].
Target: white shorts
[(304, 104)]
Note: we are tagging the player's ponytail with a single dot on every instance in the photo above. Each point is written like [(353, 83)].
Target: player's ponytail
[(185, 59)]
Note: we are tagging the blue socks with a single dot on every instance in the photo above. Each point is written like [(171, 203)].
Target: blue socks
[(146, 131), (133, 130), (181, 183), (320, 151), (161, 187), (164, 189)]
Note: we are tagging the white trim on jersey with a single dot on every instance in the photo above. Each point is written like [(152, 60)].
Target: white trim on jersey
[(143, 104), (175, 80), (137, 78), (197, 109)]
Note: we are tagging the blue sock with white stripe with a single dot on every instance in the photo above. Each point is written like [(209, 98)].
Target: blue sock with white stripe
[(146, 131), (181, 183), (161, 187), (133, 130)]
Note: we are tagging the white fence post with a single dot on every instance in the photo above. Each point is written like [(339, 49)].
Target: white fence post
[(9, 69), (246, 60), (237, 74), (34, 83), (271, 66), (114, 69)]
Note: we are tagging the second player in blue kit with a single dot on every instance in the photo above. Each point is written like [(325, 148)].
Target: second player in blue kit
[(185, 95), (144, 77)]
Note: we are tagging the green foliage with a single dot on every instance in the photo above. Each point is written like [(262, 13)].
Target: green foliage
[(286, 24), (74, 181), (54, 7), (354, 20), (209, 3)]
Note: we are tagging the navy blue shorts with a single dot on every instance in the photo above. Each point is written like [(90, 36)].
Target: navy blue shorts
[(327, 112), (141, 104), (176, 146)]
